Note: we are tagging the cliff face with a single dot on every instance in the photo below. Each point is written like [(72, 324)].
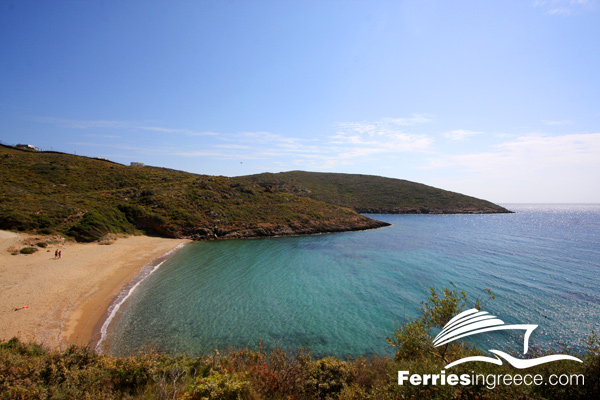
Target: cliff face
[(266, 229), (467, 209), (374, 194)]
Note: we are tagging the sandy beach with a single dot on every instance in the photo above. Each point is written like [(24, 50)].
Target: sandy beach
[(60, 301)]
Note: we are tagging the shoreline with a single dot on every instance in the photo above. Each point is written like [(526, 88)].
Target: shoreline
[(100, 330), (58, 302)]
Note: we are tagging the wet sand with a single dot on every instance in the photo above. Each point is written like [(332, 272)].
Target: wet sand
[(60, 301)]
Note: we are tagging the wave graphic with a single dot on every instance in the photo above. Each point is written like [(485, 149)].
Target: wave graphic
[(473, 321), (515, 362)]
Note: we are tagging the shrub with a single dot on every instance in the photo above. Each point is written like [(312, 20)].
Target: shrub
[(28, 371), (145, 220), (43, 221), (16, 221), (328, 377), (412, 339), (218, 386), (28, 250), (97, 223)]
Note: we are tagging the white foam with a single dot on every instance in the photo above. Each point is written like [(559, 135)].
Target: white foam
[(145, 272)]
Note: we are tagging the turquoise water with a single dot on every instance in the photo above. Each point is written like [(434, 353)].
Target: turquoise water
[(342, 294)]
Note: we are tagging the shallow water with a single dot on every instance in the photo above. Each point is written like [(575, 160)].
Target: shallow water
[(343, 294)]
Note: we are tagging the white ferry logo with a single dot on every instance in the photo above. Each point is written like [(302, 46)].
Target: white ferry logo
[(473, 321)]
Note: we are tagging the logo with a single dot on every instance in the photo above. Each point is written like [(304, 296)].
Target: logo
[(473, 322)]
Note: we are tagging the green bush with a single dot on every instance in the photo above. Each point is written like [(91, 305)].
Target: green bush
[(327, 377), (218, 387), (97, 223), (412, 340), (28, 250), (144, 219), (13, 220)]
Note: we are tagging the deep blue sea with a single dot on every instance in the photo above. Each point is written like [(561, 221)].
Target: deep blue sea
[(343, 294)]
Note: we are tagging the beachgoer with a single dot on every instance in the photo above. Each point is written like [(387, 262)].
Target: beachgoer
[(60, 254), (56, 254)]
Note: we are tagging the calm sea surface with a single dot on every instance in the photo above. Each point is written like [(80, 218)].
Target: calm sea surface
[(343, 294)]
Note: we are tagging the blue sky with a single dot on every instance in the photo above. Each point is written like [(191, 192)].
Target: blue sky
[(495, 99)]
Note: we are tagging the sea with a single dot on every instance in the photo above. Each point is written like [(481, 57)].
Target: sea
[(343, 294)]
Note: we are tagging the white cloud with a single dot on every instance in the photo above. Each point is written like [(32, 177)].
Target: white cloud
[(561, 122), (263, 138), (102, 136), (354, 141), (111, 124), (564, 7), (531, 152), (381, 136), (552, 151), (187, 132), (559, 11), (351, 142), (460, 134), (216, 155), (232, 146), (255, 146), (533, 168), (116, 146), (82, 124), (358, 127), (410, 121)]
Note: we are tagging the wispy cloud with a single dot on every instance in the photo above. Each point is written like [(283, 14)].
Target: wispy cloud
[(102, 136), (385, 135), (232, 146), (460, 134), (564, 7), (84, 124), (115, 146), (534, 168), (221, 155), (254, 146), (112, 124), (562, 122), (264, 138), (186, 132), (415, 119), (535, 152), (348, 143)]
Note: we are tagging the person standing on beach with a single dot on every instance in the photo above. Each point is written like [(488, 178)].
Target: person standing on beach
[(56, 254), (60, 254)]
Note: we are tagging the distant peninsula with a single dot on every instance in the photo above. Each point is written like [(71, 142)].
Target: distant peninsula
[(370, 194), (89, 199)]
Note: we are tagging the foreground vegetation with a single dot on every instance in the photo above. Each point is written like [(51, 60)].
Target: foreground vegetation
[(373, 194), (87, 198), (28, 371)]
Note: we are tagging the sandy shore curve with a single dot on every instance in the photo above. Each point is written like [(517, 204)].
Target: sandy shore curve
[(60, 301)]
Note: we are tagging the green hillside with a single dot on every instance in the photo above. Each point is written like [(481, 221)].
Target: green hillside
[(87, 198), (373, 194)]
